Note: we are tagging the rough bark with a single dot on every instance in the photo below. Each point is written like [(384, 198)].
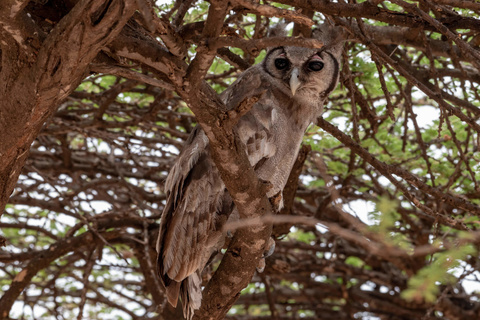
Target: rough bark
[(39, 71)]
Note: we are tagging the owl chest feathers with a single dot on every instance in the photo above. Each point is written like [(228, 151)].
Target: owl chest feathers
[(272, 133)]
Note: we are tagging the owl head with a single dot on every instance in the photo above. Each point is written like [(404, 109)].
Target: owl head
[(308, 72)]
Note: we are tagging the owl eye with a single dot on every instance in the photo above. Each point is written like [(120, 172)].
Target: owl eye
[(281, 63), (315, 65)]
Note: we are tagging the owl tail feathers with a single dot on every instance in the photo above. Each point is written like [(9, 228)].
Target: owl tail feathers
[(189, 290), (191, 294), (172, 290)]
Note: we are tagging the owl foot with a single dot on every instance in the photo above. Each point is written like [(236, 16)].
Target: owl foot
[(276, 201), (269, 249), (261, 265), (267, 185)]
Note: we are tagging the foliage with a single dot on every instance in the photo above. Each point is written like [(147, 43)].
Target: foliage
[(391, 238)]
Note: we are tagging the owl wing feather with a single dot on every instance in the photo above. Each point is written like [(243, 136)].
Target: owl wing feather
[(194, 193), (254, 128)]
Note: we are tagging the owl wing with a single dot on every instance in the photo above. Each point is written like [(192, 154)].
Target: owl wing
[(190, 226), (255, 127), (250, 83)]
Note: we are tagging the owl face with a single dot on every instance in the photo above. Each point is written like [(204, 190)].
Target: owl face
[(302, 71)]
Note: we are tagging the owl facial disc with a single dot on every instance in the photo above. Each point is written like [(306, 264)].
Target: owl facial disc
[(294, 81)]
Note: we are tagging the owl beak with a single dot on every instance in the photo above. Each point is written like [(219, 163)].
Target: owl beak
[(294, 81)]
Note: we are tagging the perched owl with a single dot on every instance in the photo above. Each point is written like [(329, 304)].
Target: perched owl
[(295, 83)]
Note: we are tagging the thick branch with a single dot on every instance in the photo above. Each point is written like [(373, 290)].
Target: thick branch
[(239, 263), (31, 92), (270, 11), (203, 59)]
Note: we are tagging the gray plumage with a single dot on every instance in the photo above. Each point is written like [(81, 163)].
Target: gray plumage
[(295, 83)]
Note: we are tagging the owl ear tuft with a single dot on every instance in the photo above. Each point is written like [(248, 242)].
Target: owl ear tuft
[(333, 38), (278, 30)]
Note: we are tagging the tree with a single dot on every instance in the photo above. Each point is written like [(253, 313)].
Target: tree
[(382, 208)]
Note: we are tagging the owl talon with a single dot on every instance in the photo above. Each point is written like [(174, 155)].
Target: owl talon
[(261, 265), (277, 201), (270, 248), (267, 185)]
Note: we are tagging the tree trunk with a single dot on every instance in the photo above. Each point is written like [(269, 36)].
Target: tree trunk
[(39, 71)]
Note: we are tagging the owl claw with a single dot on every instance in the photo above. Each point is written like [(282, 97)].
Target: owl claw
[(261, 265), (269, 249), (267, 185), (277, 201)]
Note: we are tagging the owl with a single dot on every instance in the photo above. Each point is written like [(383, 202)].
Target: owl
[(293, 84)]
